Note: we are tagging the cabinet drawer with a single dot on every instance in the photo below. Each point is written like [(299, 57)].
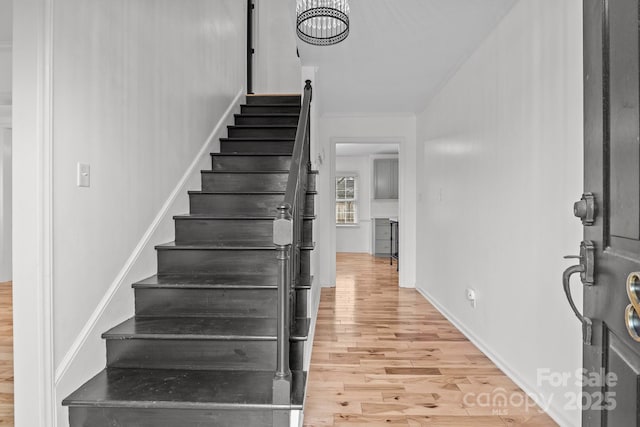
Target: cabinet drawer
[(383, 233), (383, 246)]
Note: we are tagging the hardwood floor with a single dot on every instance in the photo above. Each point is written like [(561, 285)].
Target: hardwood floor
[(383, 355), (6, 355)]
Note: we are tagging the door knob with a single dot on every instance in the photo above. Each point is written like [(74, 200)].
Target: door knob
[(585, 209)]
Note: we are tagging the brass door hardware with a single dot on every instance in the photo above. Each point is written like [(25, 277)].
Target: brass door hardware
[(631, 317)]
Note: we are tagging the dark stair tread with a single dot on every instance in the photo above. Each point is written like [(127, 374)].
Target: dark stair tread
[(251, 154), (274, 95), (256, 138), (267, 114), (185, 389), (263, 126), (253, 172), (213, 246), (241, 245), (249, 193), (284, 104), (234, 218), (222, 281), (204, 328)]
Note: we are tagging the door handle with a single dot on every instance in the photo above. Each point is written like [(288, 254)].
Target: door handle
[(586, 271), (586, 322)]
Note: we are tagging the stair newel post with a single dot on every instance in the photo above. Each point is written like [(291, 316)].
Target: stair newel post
[(283, 239)]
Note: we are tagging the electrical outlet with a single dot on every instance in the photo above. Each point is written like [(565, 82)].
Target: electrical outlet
[(471, 296)]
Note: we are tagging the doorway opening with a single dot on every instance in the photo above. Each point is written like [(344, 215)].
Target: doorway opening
[(367, 201)]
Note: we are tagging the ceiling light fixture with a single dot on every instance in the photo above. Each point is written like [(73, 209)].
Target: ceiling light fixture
[(322, 22)]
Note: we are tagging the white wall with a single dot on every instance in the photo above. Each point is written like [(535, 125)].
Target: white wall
[(277, 68), (390, 128), (500, 165), (6, 37), (6, 20), (5, 72), (138, 87)]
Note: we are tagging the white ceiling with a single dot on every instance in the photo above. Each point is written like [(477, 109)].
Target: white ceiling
[(363, 149), (399, 52)]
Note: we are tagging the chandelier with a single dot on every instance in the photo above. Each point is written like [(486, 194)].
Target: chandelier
[(322, 22)]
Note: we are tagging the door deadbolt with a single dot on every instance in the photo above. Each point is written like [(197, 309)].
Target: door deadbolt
[(585, 209)]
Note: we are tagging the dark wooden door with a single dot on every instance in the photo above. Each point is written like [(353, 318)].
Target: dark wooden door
[(612, 175)]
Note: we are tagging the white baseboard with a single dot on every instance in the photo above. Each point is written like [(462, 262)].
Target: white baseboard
[(558, 415), (163, 213)]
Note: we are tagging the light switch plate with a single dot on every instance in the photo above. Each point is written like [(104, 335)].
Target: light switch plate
[(84, 175)]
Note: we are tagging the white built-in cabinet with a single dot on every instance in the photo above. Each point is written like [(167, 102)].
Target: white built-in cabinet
[(385, 178)]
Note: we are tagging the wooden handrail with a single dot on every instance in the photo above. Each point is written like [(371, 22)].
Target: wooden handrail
[(287, 237), (302, 136)]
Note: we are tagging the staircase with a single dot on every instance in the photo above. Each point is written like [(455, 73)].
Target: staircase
[(203, 349)]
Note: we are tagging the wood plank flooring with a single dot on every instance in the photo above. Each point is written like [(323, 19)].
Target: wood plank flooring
[(6, 355), (383, 355)]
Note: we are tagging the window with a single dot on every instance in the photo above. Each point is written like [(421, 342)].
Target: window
[(346, 201)]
